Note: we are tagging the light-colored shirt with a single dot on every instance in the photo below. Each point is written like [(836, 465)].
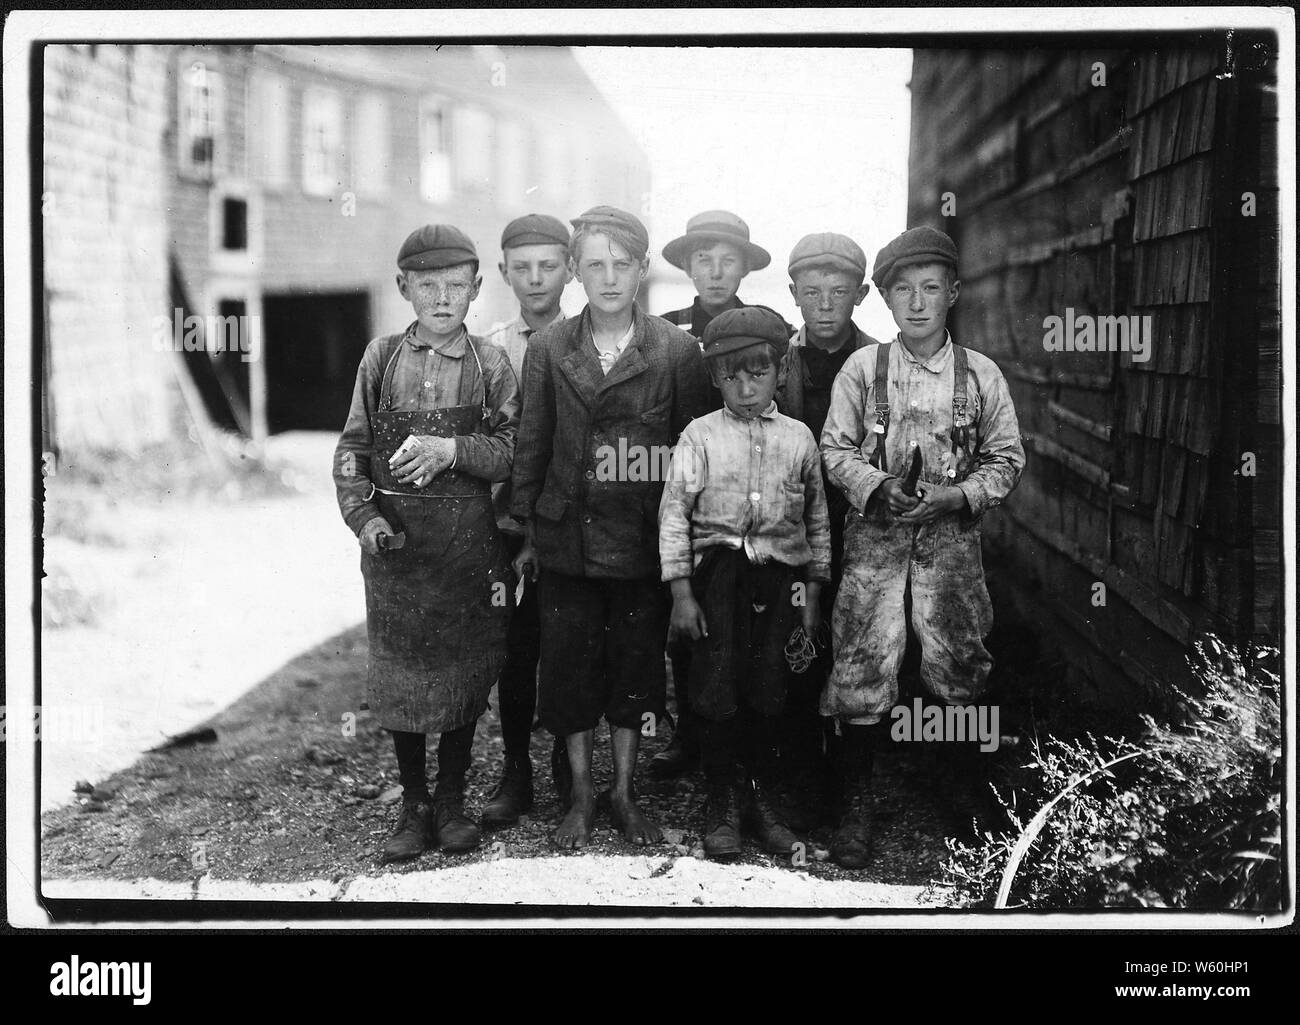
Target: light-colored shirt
[(752, 484), (513, 335), (608, 357), (920, 413)]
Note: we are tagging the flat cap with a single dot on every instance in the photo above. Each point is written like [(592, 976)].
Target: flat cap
[(711, 227), (435, 246), (740, 328), (915, 245), (828, 248), (535, 230), (612, 217)]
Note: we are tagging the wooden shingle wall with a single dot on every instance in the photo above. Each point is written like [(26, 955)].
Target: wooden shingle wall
[(1108, 182)]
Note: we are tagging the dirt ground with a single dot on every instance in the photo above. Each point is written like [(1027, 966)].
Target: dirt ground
[(289, 791), (240, 611)]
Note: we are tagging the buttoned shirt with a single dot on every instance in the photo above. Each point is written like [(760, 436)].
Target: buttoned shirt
[(512, 336), (427, 375), (921, 413), (752, 484)]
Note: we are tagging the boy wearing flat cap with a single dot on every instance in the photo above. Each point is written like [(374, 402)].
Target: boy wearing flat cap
[(611, 380), (717, 254), (744, 545), (828, 281), (535, 264), (432, 424), (924, 408)]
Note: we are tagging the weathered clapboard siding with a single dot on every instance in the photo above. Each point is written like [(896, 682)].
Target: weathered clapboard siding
[(1121, 199)]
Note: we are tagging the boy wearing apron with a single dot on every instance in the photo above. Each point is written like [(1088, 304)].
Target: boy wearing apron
[(432, 424)]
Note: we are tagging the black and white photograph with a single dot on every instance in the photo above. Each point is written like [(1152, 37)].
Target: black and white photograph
[(766, 468)]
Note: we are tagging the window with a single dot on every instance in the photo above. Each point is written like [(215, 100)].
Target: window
[(322, 141), (514, 162), (435, 152), (473, 149), (234, 224), (268, 128), (372, 154), (199, 117)]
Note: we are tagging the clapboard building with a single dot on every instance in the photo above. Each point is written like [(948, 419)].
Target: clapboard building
[(1138, 183)]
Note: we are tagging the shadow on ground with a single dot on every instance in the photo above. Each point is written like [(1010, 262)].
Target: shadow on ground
[(300, 783)]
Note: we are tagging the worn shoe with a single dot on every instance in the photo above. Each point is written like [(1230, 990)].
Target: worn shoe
[(512, 797), (851, 847), (722, 822), (681, 755), (454, 829), (413, 834), (762, 821)]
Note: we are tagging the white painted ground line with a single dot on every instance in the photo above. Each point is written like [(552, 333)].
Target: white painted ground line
[(612, 881)]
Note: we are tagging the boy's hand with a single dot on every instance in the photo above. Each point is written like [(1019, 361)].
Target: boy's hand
[(811, 614), (427, 458), (936, 500), (892, 490), (369, 536), (687, 622), (526, 566)]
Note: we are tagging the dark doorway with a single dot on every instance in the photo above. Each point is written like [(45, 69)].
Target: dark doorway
[(313, 344)]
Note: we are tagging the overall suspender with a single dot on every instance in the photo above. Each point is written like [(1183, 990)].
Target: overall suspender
[(386, 401), (881, 390), (961, 426)]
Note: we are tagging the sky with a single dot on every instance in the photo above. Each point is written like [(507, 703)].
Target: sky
[(793, 140)]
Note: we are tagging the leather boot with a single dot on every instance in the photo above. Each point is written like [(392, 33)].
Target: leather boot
[(762, 821), (512, 797), (722, 821), (682, 753), (455, 830), (851, 846), (413, 834)]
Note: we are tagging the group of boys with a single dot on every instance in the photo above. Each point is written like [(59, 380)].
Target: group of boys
[(471, 468)]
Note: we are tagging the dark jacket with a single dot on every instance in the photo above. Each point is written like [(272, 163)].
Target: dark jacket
[(789, 397), (576, 418), (694, 318)]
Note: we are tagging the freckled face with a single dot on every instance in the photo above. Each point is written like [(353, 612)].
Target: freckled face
[(919, 297), (440, 297), (826, 299)]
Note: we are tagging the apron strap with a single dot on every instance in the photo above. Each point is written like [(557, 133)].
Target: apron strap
[(881, 390)]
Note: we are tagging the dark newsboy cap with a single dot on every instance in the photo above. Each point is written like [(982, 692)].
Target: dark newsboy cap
[(534, 230), (915, 245), (612, 217), (732, 330), (435, 246), (827, 248)]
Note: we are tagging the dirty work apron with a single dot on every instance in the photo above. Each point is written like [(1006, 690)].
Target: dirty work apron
[(437, 608)]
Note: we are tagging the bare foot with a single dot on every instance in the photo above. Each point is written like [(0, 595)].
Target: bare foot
[(574, 830), (637, 829)]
